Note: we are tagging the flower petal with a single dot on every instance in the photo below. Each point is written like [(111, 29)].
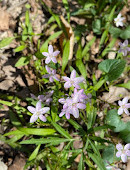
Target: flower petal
[(44, 110), (127, 152), (31, 109), (124, 158), (56, 78), (45, 54), (66, 78), (127, 146), (119, 147), (62, 100), (50, 49), (67, 115), (48, 69), (126, 111), (33, 118), (73, 74), (67, 85), (120, 103), (41, 97), (51, 79), (81, 106), (46, 76), (78, 79), (125, 43), (118, 154), (125, 100), (56, 53), (120, 111), (75, 112), (48, 59), (38, 106), (61, 114), (43, 118), (54, 60)]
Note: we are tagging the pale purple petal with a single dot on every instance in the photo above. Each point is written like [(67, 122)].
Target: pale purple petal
[(45, 54), (119, 147), (48, 69), (79, 79), (120, 111), (75, 112), (50, 49), (73, 74), (41, 97), (31, 109), (48, 59), (43, 118), (67, 116), (127, 105), (61, 114), (46, 76), (125, 43), (126, 111), (125, 100), (38, 105), (118, 154), (120, 103), (66, 78), (81, 106), (54, 60), (76, 86), (56, 78), (65, 106), (124, 158), (51, 79), (67, 85), (125, 52), (33, 118), (56, 53), (33, 96), (44, 110), (62, 100), (127, 146), (127, 152), (54, 71)]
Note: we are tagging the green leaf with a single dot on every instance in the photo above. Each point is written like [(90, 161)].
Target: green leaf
[(66, 5), (115, 32), (44, 46), (108, 48), (81, 163), (125, 85), (103, 38), (87, 46), (27, 18), (61, 130), (22, 61), (52, 141), (113, 119), (6, 41), (20, 48), (99, 84), (112, 67), (108, 153), (39, 132), (15, 132), (125, 34), (65, 57), (97, 160), (34, 154), (96, 25)]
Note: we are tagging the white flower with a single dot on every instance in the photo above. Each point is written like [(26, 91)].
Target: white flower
[(119, 20), (123, 151), (51, 55), (124, 105)]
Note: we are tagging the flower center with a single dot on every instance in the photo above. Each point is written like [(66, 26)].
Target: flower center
[(38, 113)]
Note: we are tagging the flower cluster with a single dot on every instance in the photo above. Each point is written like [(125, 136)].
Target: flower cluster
[(50, 57), (123, 151), (78, 99), (124, 49)]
